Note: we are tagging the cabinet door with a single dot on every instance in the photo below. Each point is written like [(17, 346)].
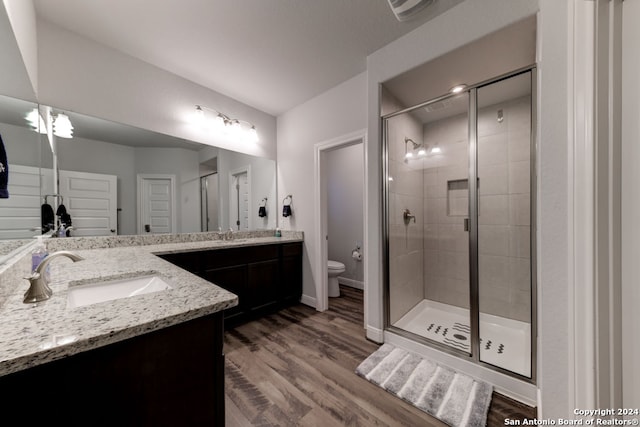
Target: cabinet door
[(262, 284), (234, 280)]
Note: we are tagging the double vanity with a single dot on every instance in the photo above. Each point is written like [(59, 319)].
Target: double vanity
[(133, 334)]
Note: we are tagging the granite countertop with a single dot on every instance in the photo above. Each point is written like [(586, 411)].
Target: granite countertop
[(32, 335)]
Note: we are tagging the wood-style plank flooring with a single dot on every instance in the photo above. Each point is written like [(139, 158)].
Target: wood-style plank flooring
[(297, 368)]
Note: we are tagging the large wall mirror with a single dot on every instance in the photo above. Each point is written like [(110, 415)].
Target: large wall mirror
[(114, 179)]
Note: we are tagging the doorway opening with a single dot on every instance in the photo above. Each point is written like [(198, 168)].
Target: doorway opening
[(340, 196)]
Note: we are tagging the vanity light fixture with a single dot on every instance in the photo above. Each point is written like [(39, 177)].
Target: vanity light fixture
[(221, 122), (458, 88)]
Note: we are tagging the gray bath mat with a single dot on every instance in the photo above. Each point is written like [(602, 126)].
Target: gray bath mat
[(450, 396)]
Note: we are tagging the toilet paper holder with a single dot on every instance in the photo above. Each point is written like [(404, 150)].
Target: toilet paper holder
[(357, 253)]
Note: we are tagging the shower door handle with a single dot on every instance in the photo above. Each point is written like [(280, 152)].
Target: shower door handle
[(466, 224)]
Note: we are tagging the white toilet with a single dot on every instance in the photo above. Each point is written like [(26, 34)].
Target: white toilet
[(335, 269)]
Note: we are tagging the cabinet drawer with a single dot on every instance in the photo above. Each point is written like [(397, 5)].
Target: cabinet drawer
[(292, 249), (237, 256)]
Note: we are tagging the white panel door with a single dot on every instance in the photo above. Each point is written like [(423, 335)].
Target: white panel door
[(156, 203), (91, 200), (20, 213)]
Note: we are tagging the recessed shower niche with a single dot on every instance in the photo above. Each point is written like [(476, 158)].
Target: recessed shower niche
[(463, 282)]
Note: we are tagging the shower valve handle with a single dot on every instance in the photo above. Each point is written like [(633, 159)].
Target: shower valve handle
[(408, 216)]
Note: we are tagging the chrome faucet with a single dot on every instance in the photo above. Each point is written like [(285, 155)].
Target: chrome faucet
[(39, 289), (229, 234)]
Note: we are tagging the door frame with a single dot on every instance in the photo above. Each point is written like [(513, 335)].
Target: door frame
[(321, 278), (232, 173), (140, 178)]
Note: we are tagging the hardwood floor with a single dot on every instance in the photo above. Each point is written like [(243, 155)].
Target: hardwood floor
[(297, 368)]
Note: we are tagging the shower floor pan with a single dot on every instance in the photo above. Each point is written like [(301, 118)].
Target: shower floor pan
[(505, 343)]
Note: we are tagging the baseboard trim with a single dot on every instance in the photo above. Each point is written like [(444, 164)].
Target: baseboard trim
[(351, 283), (310, 301), (375, 334)]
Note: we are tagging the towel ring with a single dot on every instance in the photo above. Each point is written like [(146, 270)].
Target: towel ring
[(46, 197)]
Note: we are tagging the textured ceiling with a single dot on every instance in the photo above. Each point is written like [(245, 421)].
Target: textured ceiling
[(270, 54)]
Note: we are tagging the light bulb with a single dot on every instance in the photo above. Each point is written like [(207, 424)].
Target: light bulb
[(408, 155), (422, 152), (199, 115), (458, 88), (436, 150), (62, 126), (252, 134), (36, 121)]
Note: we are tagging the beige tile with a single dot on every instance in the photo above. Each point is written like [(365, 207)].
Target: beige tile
[(519, 114), (453, 238), (519, 209), (493, 270), (493, 240), (520, 306), (434, 209), (520, 241), (493, 210), (519, 146), (519, 178), (488, 123), (520, 274), (409, 182), (493, 179), (492, 150)]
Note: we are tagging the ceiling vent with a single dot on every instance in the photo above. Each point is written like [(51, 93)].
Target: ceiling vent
[(406, 9)]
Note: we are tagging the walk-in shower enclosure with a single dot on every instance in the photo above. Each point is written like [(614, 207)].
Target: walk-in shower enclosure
[(459, 198)]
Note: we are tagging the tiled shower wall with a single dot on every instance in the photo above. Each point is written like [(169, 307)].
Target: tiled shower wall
[(504, 157), (504, 205)]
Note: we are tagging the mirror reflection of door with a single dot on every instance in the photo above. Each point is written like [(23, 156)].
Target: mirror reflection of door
[(156, 205), (209, 202), (239, 203)]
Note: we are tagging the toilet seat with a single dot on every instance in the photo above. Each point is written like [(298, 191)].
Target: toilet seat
[(335, 265)]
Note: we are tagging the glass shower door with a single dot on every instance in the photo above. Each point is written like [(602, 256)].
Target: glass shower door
[(504, 223), (427, 217)]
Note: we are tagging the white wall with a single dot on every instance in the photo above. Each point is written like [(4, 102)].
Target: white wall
[(263, 184), (345, 172), (22, 15), (15, 78), (630, 205), (337, 112), (21, 144), (80, 75)]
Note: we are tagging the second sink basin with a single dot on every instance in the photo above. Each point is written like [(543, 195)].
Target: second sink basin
[(88, 292)]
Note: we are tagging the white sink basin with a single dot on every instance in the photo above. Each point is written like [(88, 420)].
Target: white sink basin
[(87, 293)]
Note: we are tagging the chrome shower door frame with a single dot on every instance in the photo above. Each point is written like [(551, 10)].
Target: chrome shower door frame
[(474, 355)]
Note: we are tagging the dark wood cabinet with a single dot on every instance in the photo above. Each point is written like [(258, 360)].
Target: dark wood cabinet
[(170, 377), (266, 278)]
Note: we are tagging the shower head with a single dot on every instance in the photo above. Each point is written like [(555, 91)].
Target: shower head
[(415, 144), (408, 153)]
